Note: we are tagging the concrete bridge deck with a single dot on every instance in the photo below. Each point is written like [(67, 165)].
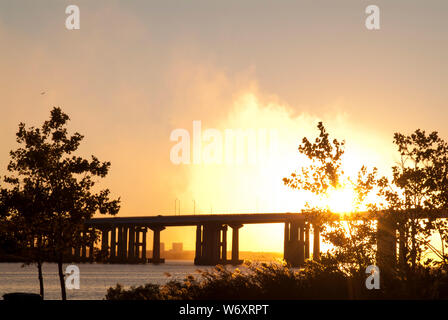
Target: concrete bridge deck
[(193, 220)]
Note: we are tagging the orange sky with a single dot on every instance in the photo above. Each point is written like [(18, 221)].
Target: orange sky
[(136, 70)]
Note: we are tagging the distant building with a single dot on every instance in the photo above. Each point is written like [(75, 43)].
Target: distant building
[(162, 248), (177, 247)]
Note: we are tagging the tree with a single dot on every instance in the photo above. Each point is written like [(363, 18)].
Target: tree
[(352, 241), (325, 169), (419, 185), (55, 189), (414, 199)]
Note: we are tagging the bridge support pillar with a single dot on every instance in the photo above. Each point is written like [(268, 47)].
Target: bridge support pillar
[(124, 244), (77, 254), (211, 244), (316, 241), (211, 239), (137, 244), (105, 244), (286, 243), (199, 245), (386, 246), (139, 247), (132, 246), (119, 243), (307, 240), (156, 245), (83, 248), (235, 244), (223, 245), (91, 246), (294, 244), (113, 244), (144, 245)]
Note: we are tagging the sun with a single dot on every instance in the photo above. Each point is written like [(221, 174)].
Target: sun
[(340, 200)]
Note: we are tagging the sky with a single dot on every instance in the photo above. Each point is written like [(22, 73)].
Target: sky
[(136, 71)]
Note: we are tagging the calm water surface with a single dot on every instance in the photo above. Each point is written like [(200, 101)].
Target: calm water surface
[(95, 279)]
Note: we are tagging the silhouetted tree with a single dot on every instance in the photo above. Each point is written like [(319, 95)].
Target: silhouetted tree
[(325, 169), (413, 198), (419, 183), (353, 241), (55, 187)]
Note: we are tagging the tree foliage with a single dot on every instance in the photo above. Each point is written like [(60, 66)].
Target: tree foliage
[(325, 169), (52, 191), (419, 186), (413, 198), (352, 241)]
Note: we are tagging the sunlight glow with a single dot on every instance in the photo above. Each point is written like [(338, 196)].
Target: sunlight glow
[(258, 188), (341, 200)]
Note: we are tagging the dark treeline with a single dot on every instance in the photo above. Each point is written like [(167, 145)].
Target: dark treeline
[(277, 281)]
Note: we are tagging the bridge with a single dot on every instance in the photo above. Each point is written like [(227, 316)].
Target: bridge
[(123, 240)]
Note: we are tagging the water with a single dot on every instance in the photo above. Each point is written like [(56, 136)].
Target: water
[(95, 279)]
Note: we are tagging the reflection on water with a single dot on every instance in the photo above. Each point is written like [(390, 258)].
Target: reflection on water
[(95, 279)]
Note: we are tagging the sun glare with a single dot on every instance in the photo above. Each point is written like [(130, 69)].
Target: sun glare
[(341, 200)]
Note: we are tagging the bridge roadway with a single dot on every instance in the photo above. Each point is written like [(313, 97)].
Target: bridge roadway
[(193, 220)]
